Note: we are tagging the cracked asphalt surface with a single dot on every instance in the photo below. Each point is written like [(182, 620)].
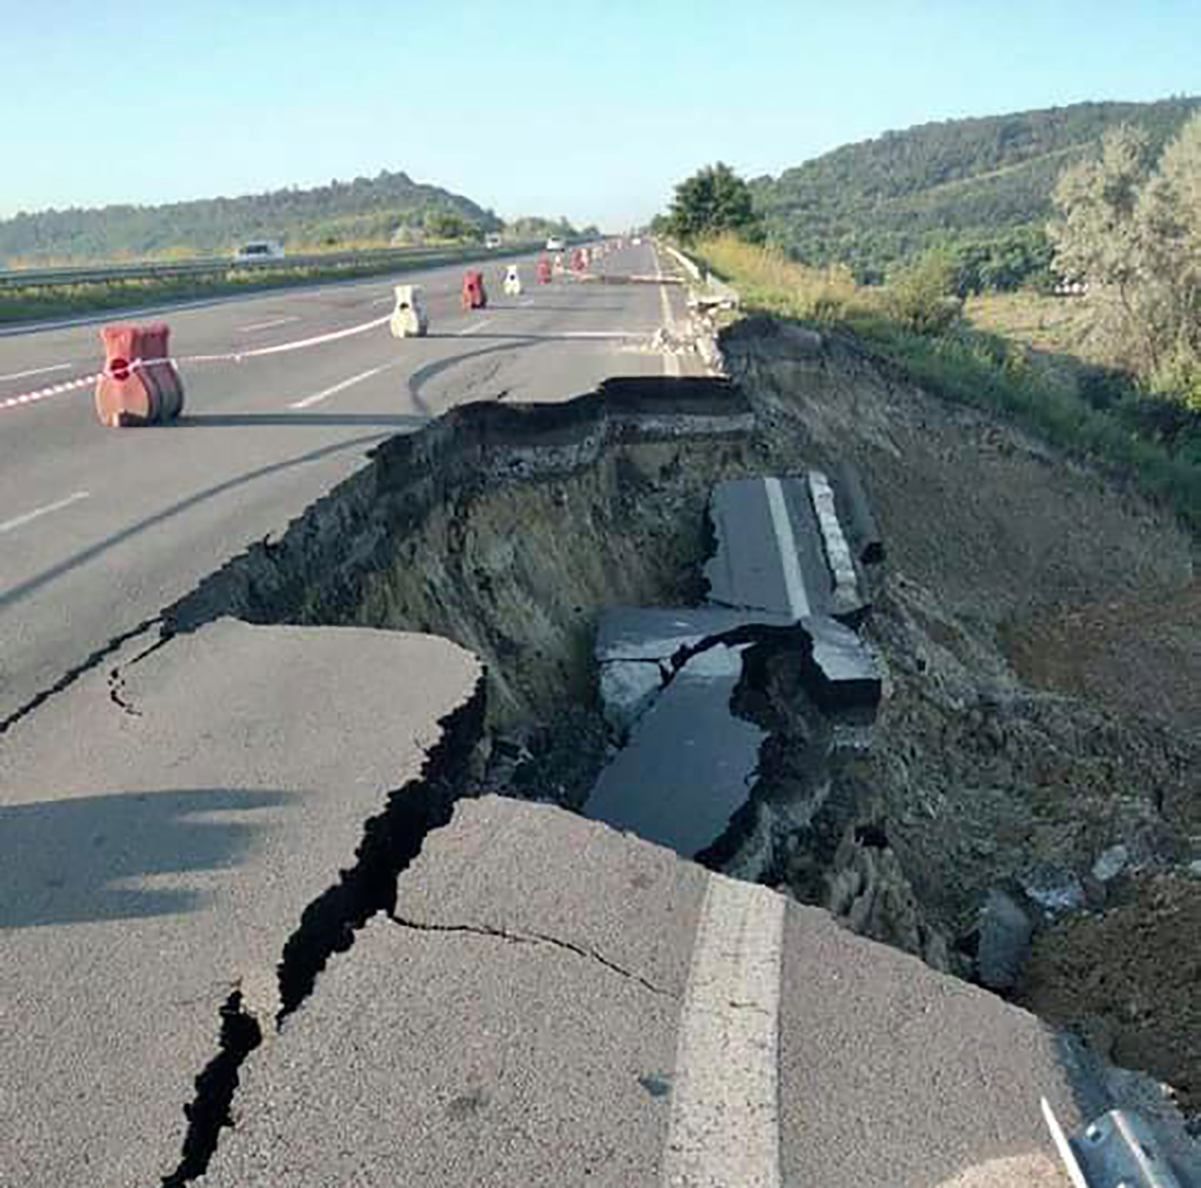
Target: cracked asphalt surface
[(159, 853), (525, 1032)]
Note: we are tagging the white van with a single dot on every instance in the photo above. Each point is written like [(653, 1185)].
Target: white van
[(260, 249), (555, 244)]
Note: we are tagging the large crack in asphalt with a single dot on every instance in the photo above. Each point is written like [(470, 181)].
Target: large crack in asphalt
[(391, 841), (91, 661)]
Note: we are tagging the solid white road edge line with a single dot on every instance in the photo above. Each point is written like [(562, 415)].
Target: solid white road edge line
[(724, 1127), (17, 521), (16, 375), (318, 397), (671, 361), (794, 583), (268, 325)]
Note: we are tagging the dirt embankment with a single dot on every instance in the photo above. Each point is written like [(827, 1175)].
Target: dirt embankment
[(1039, 625)]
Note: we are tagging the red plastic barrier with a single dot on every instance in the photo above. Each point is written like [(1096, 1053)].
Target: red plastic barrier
[(134, 389), (163, 376), (543, 270), (474, 294), (578, 262)]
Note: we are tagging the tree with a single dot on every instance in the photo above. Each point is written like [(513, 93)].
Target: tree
[(1132, 232), (445, 224), (1169, 214), (713, 200)]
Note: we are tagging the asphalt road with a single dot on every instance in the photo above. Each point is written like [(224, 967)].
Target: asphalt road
[(99, 529), (553, 1002)]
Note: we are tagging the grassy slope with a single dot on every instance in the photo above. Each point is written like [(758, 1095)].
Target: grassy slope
[(973, 367)]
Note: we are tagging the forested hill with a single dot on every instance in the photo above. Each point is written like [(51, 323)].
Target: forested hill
[(880, 201), (340, 213)]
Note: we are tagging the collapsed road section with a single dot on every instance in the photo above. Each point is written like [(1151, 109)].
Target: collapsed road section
[(518, 534), (687, 685)]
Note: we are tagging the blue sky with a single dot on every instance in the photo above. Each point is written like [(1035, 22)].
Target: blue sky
[(593, 110)]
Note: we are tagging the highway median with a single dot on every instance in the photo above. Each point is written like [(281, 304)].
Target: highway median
[(63, 293)]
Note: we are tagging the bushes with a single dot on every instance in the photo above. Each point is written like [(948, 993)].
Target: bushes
[(923, 297)]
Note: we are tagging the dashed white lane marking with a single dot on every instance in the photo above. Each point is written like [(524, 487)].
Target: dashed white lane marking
[(526, 303), (318, 397), (474, 327), (724, 1128), (383, 301), (38, 512), (268, 325), (794, 583), (16, 375)]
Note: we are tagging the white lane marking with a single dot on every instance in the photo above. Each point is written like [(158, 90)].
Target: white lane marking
[(724, 1127), (38, 512), (383, 301), (794, 583), (474, 327), (16, 375), (527, 302), (318, 397), (268, 325)]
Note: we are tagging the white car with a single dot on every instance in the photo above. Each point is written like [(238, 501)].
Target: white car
[(555, 244), (260, 249)]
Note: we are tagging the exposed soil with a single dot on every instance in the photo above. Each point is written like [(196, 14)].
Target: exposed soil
[(1039, 624), (1137, 656), (1128, 979)]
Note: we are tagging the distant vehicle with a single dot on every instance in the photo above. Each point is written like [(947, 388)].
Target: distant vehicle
[(492, 240), (637, 241), (260, 249), (555, 244)]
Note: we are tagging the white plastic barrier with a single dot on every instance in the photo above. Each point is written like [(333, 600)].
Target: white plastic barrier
[(512, 281), (409, 318)]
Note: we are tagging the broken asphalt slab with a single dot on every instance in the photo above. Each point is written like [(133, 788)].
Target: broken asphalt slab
[(519, 1021), (183, 838)]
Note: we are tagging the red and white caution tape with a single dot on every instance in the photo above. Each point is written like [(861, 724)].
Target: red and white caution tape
[(45, 393), (25, 398)]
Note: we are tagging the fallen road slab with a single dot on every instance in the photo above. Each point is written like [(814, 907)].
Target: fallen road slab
[(555, 1002), (184, 837)]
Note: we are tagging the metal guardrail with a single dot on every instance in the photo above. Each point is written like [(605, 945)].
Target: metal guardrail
[(220, 266)]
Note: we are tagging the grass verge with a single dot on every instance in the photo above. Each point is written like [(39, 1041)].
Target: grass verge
[(1097, 415)]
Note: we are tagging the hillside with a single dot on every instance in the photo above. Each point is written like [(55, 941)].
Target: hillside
[(341, 212), (972, 180)]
